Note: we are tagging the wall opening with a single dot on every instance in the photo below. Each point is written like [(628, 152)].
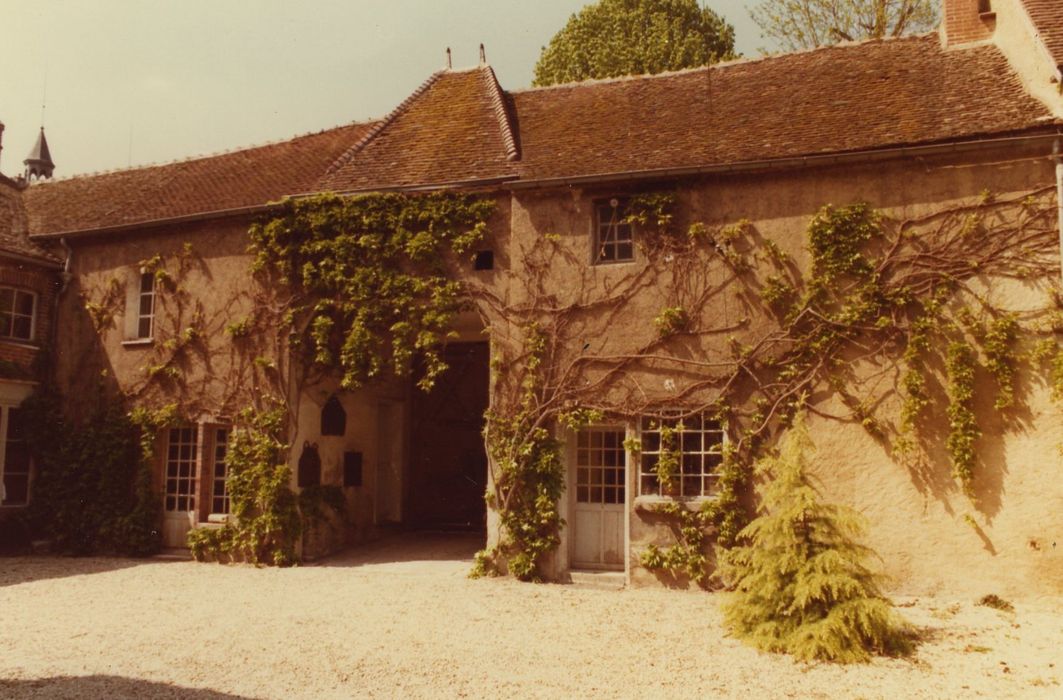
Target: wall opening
[(448, 465)]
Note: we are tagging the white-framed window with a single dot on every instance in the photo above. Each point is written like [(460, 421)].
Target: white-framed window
[(146, 306), (219, 496), (600, 465), (693, 449), (182, 466), (613, 237), (17, 312), (14, 458)]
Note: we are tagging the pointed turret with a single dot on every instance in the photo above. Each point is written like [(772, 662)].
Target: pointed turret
[(39, 163)]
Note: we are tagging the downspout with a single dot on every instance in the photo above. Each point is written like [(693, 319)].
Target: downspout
[(1058, 156)]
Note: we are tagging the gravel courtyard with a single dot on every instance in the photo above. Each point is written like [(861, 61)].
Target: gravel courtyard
[(400, 619)]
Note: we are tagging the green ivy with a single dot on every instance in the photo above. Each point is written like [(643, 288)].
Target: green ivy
[(94, 490), (267, 518), (963, 425), (370, 279)]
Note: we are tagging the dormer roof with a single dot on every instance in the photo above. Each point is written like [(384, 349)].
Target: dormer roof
[(454, 128)]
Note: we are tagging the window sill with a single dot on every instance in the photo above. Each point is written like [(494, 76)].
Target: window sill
[(137, 342), (648, 503), (19, 343)]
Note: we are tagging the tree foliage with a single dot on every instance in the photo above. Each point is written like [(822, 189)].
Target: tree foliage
[(804, 24), (801, 585), (631, 37)]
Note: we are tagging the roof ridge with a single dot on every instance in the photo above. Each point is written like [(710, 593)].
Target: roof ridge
[(498, 102), (199, 156), (742, 61), (383, 123)]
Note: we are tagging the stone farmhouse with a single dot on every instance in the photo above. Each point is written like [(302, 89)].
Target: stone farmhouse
[(912, 126)]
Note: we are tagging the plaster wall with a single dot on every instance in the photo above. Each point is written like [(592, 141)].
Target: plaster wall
[(931, 537), (363, 407), (209, 288)]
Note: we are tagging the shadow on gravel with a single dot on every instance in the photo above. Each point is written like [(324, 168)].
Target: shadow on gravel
[(410, 547), (26, 569), (110, 687)]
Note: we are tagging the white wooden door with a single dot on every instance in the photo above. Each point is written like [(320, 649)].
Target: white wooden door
[(599, 510), (181, 487)]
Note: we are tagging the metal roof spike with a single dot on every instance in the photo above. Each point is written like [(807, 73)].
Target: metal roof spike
[(450, 63), (483, 55)]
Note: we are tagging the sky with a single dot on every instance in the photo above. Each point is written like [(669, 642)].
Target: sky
[(133, 82)]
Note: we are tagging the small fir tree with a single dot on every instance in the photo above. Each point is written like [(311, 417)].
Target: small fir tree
[(800, 584)]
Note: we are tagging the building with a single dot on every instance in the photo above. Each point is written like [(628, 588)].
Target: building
[(917, 127)]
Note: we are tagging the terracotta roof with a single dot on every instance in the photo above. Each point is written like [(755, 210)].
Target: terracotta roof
[(459, 126), (243, 178), (454, 128), (843, 98), (1047, 16), (14, 236)]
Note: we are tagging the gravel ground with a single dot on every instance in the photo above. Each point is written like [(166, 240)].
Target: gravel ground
[(400, 619)]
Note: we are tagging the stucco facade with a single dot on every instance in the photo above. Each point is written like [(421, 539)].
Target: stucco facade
[(160, 304)]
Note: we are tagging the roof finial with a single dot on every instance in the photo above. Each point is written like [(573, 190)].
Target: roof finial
[(449, 64), (483, 55)]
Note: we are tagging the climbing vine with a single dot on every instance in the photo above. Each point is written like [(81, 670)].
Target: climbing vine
[(878, 296), (369, 277), (267, 519)]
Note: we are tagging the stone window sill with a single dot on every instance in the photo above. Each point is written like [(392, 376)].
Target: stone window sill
[(647, 503), (137, 342)]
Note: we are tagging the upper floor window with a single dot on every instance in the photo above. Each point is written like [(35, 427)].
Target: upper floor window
[(16, 313), (613, 239), (146, 306)]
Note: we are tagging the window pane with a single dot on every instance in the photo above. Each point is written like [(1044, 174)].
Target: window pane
[(22, 327), (144, 328), (147, 283), (24, 303), (7, 300), (5, 324), (146, 304)]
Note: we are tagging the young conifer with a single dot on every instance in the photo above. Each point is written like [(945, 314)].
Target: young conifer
[(800, 583)]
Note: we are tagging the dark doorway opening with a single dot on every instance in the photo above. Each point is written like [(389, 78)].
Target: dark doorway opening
[(448, 466)]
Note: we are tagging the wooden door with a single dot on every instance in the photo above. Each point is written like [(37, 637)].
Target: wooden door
[(599, 496)]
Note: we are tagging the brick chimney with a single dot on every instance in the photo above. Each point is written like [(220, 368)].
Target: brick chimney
[(967, 21)]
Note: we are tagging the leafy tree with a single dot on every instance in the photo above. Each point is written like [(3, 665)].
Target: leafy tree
[(632, 37), (801, 586), (804, 24)]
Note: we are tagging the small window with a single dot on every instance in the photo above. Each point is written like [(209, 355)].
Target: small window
[(984, 6), (485, 260), (694, 443), (219, 502), (182, 468), (15, 468), (146, 306), (613, 239), (333, 417), (16, 313)]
